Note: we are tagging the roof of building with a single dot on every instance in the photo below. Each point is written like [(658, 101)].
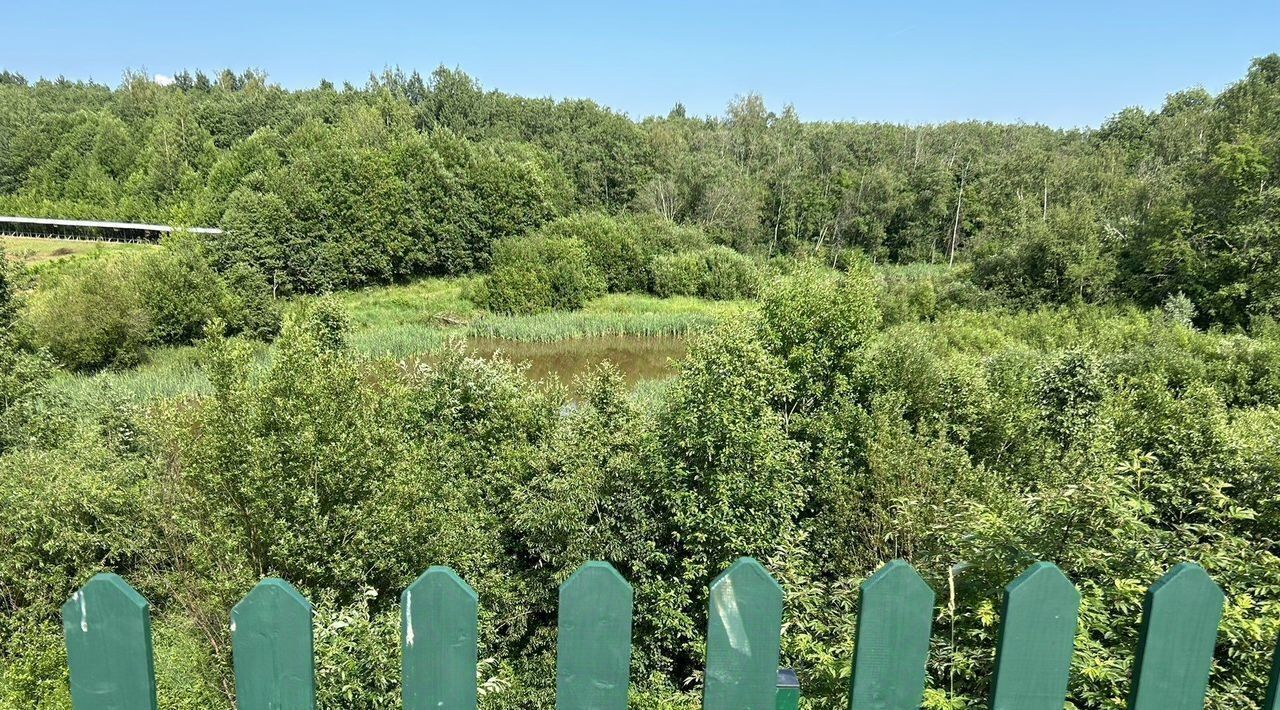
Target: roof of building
[(106, 225)]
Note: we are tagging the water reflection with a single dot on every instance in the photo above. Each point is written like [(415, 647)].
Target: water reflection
[(638, 358)]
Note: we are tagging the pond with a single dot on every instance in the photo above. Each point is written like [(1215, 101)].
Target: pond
[(638, 358)]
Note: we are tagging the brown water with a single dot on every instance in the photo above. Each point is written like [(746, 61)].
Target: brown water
[(638, 358)]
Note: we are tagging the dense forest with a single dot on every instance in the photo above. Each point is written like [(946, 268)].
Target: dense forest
[(969, 345), (332, 188)]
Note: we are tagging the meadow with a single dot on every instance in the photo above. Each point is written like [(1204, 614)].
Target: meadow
[(32, 251)]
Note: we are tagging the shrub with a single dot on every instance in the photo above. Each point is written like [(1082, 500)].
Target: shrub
[(613, 245), (622, 247), (729, 275), (662, 236), (181, 292), (718, 273), (816, 321), (924, 291), (8, 292), (100, 313), (537, 274), (1060, 259), (251, 307), (23, 378), (677, 274), (93, 317)]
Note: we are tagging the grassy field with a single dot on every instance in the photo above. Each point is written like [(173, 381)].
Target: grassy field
[(38, 251)]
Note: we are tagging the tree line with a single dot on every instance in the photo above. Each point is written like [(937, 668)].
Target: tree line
[(330, 187)]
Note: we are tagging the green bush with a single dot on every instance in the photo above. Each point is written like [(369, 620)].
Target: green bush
[(103, 312), (622, 247), (537, 274), (923, 291), (613, 245), (678, 274), (729, 275), (93, 317), (662, 236), (251, 307), (1115, 443), (8, 292), (23, 378), (816, 321), (181, 291), (717, 273)]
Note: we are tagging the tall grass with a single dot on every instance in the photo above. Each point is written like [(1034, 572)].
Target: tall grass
[(401, 321), (404, 321), (429, 302), (168, 373)]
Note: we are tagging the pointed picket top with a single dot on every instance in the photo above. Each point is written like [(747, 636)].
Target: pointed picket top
[(891, 645), (593, 647), (271, 648), (1037, 638), (107, 626), (438, 622), (1273, 687), (1175, 646), (743, 637)]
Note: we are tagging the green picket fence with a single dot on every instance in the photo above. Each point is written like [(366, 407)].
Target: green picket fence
[(108, 636)]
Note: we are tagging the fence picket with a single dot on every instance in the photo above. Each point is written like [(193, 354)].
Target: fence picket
[(1175, 646), (744, 626), (593, 647), (109, 653), (891, 646), (1037, 637), (108, 634), (271, 648), (1273, 687), (788, 692), (438, 622)]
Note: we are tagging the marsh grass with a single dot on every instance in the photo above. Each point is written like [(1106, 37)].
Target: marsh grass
[(410, 320), (614, 314), (168, 373), (406, 320)]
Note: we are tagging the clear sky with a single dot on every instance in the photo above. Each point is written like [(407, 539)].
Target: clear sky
[(1064, 64)]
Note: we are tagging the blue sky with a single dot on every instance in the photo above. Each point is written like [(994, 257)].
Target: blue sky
[(1064, 64)]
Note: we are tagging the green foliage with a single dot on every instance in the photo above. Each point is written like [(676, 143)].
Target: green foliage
[(1069, 394), (736, 479), (859, 416), (816, 322), (622, 247), (102, 312), (94, 317), (8, 293), (180, 291), (1062, 258), (717, 273), (536, 274), (1116, 443), (409, 175), (363, 203), (614, 245), (23, 380), (250, 306)]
